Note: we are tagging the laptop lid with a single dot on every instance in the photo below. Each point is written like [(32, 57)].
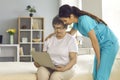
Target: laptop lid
[(43, 59)]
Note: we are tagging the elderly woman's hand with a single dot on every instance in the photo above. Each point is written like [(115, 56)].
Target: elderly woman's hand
[(60, 68), (36, 64)]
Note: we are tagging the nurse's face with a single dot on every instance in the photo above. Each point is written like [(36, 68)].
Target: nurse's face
[(67, 20)]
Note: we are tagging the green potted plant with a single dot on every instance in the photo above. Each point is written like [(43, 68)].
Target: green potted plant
[(31, 10)]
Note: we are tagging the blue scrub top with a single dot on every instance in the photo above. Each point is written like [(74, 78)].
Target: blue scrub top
[(104, 35)]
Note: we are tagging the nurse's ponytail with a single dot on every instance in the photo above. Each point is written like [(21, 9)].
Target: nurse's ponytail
[(77, 12), (66, 11)]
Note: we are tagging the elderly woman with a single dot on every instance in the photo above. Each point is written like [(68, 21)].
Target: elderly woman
[(62, 49)]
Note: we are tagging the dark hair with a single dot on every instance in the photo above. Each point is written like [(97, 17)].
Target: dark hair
[(66, 11), (57, 21)]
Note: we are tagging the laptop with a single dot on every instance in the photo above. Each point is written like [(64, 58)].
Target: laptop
[(43, 59)]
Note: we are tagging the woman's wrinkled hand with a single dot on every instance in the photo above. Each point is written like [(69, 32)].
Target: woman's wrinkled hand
[(36, 64), (60, 68)]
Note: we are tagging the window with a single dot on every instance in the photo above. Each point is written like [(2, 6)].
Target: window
[(76, 3)]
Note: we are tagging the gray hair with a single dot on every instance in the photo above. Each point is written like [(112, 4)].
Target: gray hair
[(56, 20)]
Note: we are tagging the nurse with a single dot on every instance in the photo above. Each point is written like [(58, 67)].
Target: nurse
[(104, 42)]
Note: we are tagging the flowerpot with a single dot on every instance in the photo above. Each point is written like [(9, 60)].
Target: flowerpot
[(31, 15), (11, 39)]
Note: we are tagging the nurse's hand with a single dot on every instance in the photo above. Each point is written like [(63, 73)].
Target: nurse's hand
[(98, 65), (49, 36)]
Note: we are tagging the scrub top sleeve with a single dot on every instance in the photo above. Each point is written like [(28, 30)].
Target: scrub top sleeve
[(87, 23)]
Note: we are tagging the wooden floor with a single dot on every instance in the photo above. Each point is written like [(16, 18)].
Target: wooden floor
[(85, 63)]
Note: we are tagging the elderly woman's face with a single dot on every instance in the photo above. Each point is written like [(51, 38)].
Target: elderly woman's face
[(59, 30)]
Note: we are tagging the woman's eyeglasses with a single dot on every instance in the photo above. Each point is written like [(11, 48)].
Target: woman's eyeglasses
[(60, 28)]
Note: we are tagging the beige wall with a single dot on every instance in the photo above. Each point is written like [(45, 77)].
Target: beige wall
[(93, 6)]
